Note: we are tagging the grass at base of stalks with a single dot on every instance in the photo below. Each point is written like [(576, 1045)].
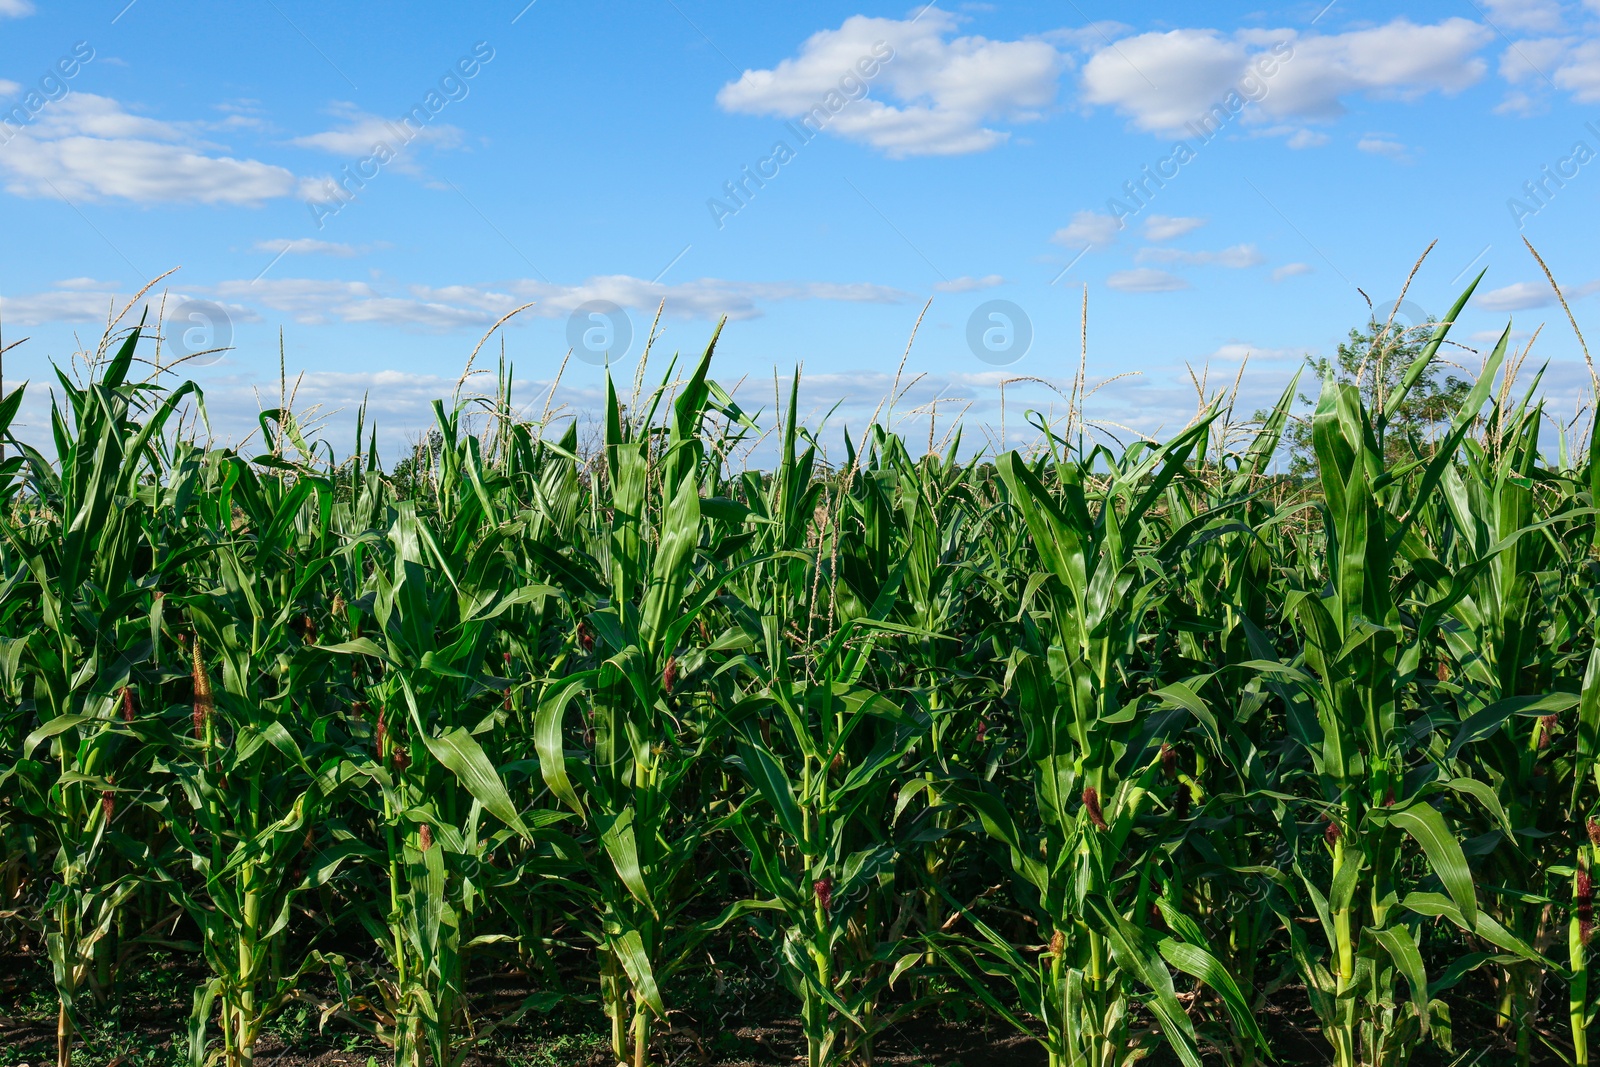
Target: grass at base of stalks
[(740, 1026), (743, 1025)]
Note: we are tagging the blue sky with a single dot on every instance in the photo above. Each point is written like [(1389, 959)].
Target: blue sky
[(560, 153)]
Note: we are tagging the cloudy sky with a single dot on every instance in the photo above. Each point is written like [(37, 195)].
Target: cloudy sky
[(384, 182)]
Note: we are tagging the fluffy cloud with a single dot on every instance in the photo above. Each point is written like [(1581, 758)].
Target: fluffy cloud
[(1235, 352), (1088, 229), (1492, 337), (76, 300), (1534, 16), (946, 89), (15, 9), (86, 300), (1290, 270), (90, 147), (1572, 65), (1145, 280), (1579, 73), (1378, 145), (307, 246), (360, 135), (966, 284), (1237, 257), (1168, 227), (1306, 139), (455, 307), (1162, 81), (1522, 296), (316, 301), (1400, 59)]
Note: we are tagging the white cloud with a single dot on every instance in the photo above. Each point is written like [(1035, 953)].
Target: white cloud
[(305, 246), (1383, 146), (316, 301), (1490, 337), (9, 88), (1535, 16), (1528, 59), (1291, 270), (1236, 257), (89, 147), (704, 298), (1401, 60), (361, 135), (1235, 352), (1517, 297), (15, 9), (86, 300), (1169, 227), (1145, 280), (385, 392), (1570, 64), (1089, 228), (75, 300), (1579, 73), (1088, 38), (946, 90), (1517, 102), (441, 309), (1306, 139), (967, 284), (1524, 295), (1162, 81)]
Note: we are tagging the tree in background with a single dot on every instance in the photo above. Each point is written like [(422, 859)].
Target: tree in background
[(1414, 426)]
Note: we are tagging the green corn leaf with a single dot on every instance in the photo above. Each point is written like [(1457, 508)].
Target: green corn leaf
[(460, 753), (1132, 955), (629, 949), (1427, 827), (1196, 962), (1401, 944), (1438, 905), (548, 741), (1487, 722), (54, 728), (776, 789), (1589, 702), (622, 846)]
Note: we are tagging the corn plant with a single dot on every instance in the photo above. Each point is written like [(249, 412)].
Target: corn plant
[(432, 632), (1082, 868), (251, 799), (99, 608), (834, 765), (635, 781), (1362, 660)]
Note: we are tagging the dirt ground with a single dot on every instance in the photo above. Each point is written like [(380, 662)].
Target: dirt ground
[(147, 1028)]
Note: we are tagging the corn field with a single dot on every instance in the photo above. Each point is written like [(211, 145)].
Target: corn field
[(1114, 745)]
